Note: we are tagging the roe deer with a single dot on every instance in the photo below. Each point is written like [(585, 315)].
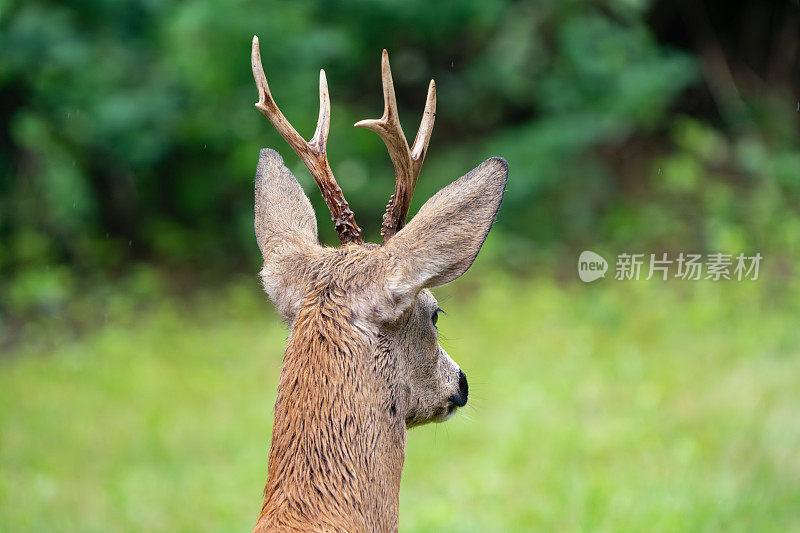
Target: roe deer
[(363, 363)]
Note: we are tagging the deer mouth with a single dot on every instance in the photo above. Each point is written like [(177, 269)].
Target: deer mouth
[(448, 412)]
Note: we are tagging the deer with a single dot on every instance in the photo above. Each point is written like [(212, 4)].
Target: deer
[(362, 363)]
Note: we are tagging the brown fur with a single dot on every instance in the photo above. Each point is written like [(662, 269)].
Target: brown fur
[(363, 362), (337, 453)]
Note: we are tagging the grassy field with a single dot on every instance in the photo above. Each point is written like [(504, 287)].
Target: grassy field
[(607, 407)]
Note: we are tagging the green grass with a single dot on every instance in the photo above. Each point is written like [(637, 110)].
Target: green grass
[(607, 407)]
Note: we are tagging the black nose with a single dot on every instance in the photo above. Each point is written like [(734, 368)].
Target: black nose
[(460, 399)]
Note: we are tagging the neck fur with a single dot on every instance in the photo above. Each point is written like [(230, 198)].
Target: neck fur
[(337, 453)]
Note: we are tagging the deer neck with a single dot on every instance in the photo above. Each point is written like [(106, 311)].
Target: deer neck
[(337, 451)]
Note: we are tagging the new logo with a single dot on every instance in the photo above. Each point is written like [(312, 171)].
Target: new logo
[(591, 266)]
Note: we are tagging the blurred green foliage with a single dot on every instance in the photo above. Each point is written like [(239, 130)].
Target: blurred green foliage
[(128, 132)]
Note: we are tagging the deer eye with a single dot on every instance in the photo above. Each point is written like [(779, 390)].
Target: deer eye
[(435, 316)]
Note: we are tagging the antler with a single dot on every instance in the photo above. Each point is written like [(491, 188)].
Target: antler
[(312, 153), (407, 161)]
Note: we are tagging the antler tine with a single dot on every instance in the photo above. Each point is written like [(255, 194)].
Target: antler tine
[(420, 147), (320, 137), (407, 161), (312, 153)]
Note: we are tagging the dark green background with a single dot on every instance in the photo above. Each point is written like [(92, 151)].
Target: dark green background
[(128, 135)]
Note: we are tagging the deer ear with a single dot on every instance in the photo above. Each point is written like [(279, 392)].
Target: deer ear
[(443, 239), (283, 211), (286, 230)]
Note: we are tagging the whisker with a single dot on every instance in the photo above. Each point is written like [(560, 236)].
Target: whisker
[(466, 416)]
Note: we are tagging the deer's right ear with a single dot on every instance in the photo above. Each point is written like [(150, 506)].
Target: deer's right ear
[(443, 239), (286, 230)]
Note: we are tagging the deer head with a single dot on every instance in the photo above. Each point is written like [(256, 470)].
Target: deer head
[(363, 362)]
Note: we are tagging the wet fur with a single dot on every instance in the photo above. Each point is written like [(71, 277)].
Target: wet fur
[(363, 362)]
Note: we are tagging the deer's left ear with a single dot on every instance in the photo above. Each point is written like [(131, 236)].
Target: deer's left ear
[(283, 211), (286, 230), (443, 239)]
